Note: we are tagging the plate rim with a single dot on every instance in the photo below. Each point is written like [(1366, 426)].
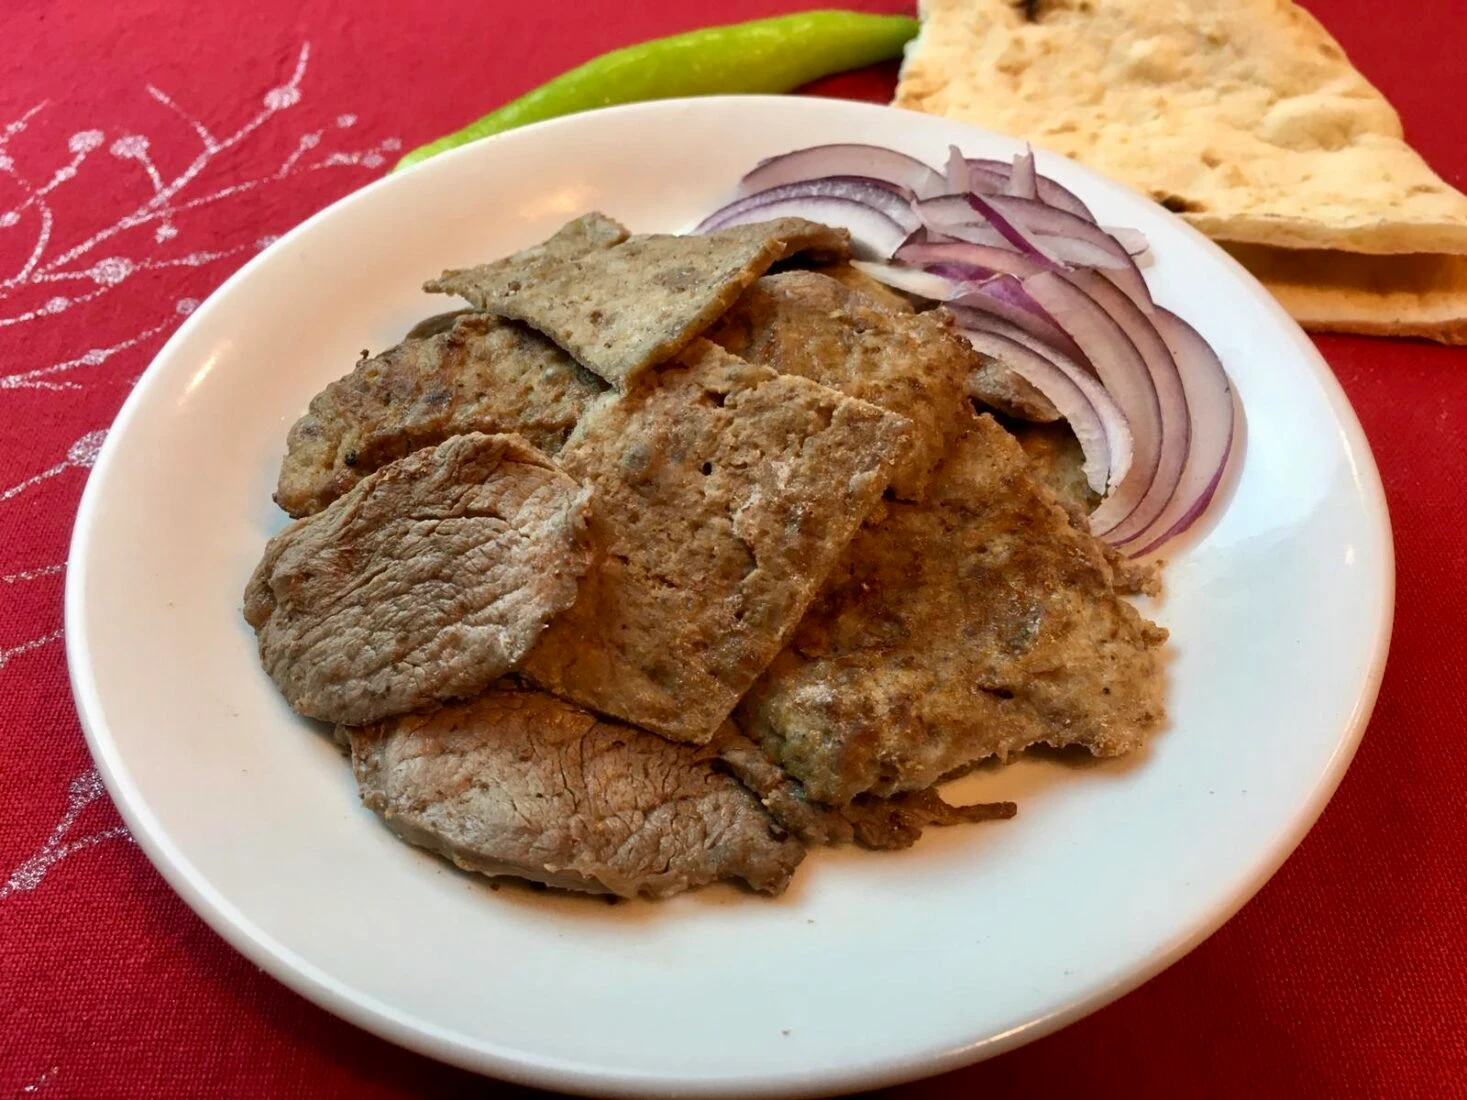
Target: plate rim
[(383, 1020)]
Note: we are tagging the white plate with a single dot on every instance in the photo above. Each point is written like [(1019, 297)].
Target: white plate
[(874, 967)]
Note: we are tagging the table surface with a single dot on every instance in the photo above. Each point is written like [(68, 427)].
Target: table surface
[(147, 149)]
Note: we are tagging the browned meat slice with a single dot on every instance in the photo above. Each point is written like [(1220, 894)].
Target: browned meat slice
[(482, 375), (519, 783), (1055, 455), (882, 823), (432, 326), (1133, 578), (580, 237), (622, 309), (804, 323), (996, 386), (427, 581), (971, 626), (853, 278), (724, 494)]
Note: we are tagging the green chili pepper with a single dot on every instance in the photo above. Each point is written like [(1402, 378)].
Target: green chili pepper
[(764, 55)]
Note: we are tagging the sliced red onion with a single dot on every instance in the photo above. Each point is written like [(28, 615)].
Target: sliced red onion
[(955, 216), (952, 216), (958, 177), (970, 267), (1107, 520), (818, 161), (873, 234), (976, 233), (877, 194), (1210, 398), (1023, 181), (1033, 279), (1122, 371), (1049, 191), (960, 275), (1132, 240), (1070, 251), (1039, 217), (1020, 331), (920, 235), (986, 258), (1094, 417), (1034, 217), (911, 280), (1004, 296), (1015, 234), (986, 181), (1074, 252), (945, 211)]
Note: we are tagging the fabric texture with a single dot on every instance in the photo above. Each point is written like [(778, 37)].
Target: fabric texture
[(149, 148)]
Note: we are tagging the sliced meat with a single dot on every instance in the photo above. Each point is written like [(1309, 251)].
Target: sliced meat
[(629, 306), (1058, 462), (968, 627), (432, 326), (481, 375), (519, 783), (1055, 455), (580, 237), (881, 823), (427, 581), (1133, 578), (724, 494), (853, 278), (897, 821), (995, 386), (807, 324)]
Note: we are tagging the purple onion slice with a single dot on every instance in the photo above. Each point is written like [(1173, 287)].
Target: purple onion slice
[(819, 161), (877, 194), (1122, 371), (1094, 417), (1023, 181), (1107, 520), (1049, 191), (1214, 429), (873, 234)]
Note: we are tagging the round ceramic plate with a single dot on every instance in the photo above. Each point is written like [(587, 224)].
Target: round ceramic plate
[(873, 967)]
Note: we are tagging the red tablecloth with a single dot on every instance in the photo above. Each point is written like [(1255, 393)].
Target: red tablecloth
[(147, 149)]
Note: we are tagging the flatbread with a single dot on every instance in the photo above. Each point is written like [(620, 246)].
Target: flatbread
[(1245, 117), (723, 495), (624, 308), (479, 374), (970, 626), (1415, 295), (805, 323)]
